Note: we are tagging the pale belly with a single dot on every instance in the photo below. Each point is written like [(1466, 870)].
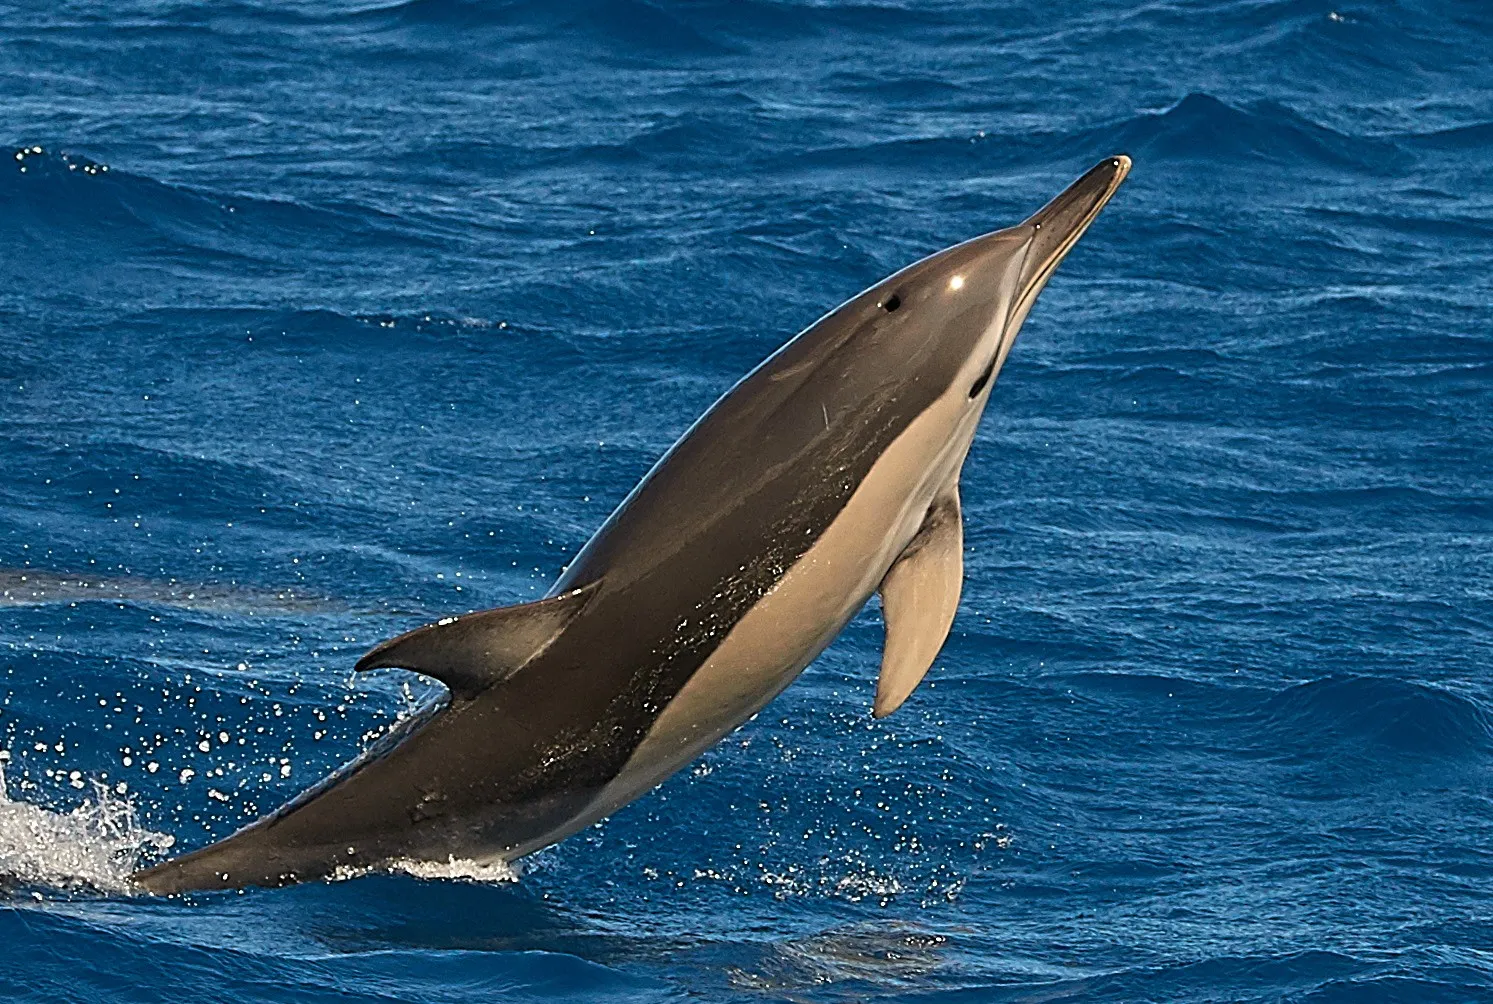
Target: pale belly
[(797, 619)]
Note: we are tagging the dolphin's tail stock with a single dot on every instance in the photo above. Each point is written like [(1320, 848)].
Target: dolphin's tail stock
[(249, 857), (212, 867), (312, 837)]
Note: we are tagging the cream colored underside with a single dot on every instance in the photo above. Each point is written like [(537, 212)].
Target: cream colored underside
[(788, 628)]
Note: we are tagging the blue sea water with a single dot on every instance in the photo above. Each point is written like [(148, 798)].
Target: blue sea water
[(322, 320)]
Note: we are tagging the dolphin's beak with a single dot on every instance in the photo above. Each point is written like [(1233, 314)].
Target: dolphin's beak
[(1059, 224)]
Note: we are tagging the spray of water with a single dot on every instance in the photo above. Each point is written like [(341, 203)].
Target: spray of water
[(458, 869), (452, 869), (92, 848), (95, 847)]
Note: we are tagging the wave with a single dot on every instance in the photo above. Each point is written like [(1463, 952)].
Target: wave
[(653, 29), (1313, 974), (1470, 138), (622, 27), (60, 956), (662, 140), (884, 953), (1198, 129), (75, 216), (139, 476), (73, 185), (1201, 126), (1419, 226), (1400, 506), (1364, 716), (911, 962)]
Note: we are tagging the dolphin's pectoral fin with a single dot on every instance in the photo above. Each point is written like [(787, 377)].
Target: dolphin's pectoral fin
[(918, 599), (471, 653)]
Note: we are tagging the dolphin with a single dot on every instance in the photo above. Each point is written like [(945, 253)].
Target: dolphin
[(828, 473)]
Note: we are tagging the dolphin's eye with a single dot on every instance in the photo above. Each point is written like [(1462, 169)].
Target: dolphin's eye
[(979, 384), (892, 303)]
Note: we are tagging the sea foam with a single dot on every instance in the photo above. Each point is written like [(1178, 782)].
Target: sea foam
[(92, 848)]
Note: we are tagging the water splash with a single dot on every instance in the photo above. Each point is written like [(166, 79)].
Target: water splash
[(457, 869), (93, 848)]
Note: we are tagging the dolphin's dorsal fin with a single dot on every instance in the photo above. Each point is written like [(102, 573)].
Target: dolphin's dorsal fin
[(918, 599), (472, 652)]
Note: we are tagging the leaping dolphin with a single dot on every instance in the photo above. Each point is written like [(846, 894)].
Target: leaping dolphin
[(830, 472)]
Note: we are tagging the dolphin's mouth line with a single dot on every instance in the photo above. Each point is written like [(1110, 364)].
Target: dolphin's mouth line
[(1008, 337), (1029, 294)]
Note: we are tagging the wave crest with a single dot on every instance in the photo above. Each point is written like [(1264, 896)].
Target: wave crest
[(624, 26), (1201, 126), (1375, 712)]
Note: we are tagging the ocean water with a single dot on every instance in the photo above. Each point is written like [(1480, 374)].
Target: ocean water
[(322, 320)]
